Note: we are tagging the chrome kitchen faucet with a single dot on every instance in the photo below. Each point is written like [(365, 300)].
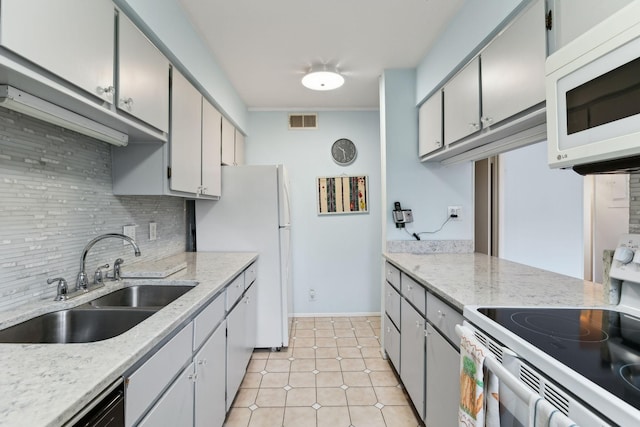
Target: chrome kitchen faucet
[(83, 283)]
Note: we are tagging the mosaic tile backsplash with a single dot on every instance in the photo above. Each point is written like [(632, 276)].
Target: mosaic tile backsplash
[(56, 195)]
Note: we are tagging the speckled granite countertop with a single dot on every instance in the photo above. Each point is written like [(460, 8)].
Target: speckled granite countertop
[(476, 279), (47, 384)]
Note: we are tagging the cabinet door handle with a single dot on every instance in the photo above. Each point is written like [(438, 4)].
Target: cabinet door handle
[(202, 362), (418, 324), (487, 120), (388, 329), (127, 102), (409, 287), (441, 314), (474, 125), (438, 143), (106, 90), (193, 377)]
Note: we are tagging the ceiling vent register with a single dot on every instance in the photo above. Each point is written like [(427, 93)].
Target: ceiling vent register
[(303, 121)]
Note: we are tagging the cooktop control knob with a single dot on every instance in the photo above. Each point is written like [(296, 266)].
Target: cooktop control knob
[(623, 254)]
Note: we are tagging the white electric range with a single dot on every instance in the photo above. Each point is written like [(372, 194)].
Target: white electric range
[(584, 361)]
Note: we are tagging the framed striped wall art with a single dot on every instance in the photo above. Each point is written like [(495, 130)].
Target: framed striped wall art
[(343, 195)]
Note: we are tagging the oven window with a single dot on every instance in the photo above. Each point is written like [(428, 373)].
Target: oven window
[(605, 99), (513, 411)]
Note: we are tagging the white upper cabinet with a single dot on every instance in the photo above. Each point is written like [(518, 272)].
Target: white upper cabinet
[(211, 150), (496, 101), (188, 165), (239, 148), (513, 67), (571, 18), (430, 125), (73, 39), (185, 135), (143, 77), (462, 103), (228, 143)]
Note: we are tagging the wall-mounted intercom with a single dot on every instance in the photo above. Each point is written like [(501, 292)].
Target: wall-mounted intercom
[(401, 216)]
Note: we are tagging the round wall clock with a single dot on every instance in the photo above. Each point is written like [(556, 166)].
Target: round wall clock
[(343, 151)]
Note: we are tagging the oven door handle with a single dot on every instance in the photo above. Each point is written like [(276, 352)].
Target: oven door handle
[(503, 375)]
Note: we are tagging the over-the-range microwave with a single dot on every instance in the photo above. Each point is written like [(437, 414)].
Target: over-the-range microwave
[(593, 97)]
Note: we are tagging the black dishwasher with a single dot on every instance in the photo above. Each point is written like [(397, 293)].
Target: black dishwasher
[(109, 411)]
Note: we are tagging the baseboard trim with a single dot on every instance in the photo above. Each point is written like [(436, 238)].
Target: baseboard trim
[(355, 314)]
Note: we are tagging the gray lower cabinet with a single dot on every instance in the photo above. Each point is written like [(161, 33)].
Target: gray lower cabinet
[(421, 344), (175, 407), (392, 342), (210, 387), (251, 323), (192, 379), (239, 347), (412, 354), (392, 304), (155, 376), (443, 364), (391, 320), (442, 385)]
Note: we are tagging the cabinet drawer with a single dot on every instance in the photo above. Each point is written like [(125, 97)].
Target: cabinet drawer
[(393, 275), (150, 380), (392, 303), (443, 317), (234, 291), (207, 320), (250, 275), (414, 293), (392, 342)]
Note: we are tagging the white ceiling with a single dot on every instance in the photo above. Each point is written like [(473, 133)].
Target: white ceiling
[(266, 46)]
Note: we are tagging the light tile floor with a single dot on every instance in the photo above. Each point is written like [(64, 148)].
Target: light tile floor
[(331, 375)]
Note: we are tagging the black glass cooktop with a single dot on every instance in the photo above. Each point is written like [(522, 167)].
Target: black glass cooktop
[(601, 345)]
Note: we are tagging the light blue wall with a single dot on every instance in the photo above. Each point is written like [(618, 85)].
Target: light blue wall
[(425, 188), (167, 24), (476, 22), (337, 255), (542, 212)]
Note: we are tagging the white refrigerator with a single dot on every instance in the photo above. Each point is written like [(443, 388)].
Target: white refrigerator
[(253, 215)]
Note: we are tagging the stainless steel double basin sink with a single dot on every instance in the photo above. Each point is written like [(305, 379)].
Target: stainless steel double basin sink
[(100, 319)]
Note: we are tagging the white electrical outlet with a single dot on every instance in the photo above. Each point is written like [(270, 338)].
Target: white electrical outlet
[(129, 230), (454, 212), (312, 294), (153, 231)]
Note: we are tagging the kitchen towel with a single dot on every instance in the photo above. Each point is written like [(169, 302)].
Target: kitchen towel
[(544, 414), (473, 388)]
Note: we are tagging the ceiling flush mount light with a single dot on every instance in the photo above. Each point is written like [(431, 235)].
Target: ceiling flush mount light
[(323, 77)]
